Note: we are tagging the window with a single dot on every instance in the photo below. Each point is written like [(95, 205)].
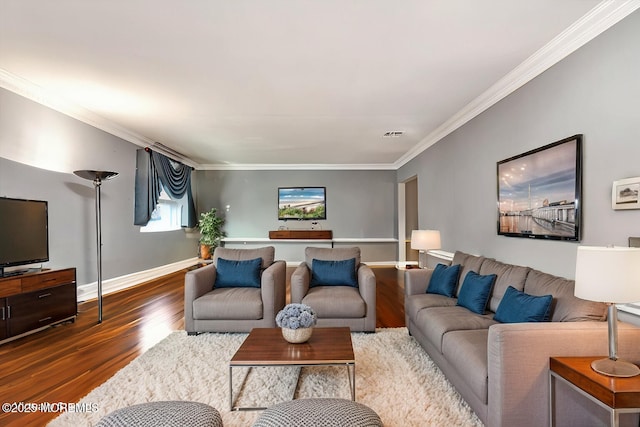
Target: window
[(167, 216)]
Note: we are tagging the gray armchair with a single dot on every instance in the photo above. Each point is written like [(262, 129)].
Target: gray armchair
[(351, 305), (236, 307)]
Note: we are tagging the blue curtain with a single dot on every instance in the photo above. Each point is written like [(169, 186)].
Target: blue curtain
[(155, 171)]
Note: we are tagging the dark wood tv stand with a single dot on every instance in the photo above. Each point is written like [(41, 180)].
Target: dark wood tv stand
[(34, 301), (301, 234)]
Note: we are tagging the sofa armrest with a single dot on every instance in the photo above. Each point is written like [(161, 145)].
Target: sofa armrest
[(300, 279), (518, 364), (196, 283), (273, 287), (416, 280)]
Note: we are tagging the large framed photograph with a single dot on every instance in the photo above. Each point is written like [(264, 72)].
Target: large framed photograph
[(302, 203), (624, 194), (539, 192)]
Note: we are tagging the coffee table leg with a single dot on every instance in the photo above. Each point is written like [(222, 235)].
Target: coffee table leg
[(351, 372), (295, 389), (231, 405), (230, 388)]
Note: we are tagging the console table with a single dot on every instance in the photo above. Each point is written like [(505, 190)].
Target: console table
[(301, 234), (33, 301), (616, 395)]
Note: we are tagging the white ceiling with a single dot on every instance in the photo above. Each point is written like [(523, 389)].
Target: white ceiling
[(285, 83)]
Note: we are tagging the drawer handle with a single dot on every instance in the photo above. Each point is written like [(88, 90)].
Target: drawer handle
[(46, 319), (44, 295)]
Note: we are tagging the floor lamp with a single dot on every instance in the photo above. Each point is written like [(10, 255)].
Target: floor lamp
[(97, 177)]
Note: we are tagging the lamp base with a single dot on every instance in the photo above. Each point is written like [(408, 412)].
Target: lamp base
[(615, 368)]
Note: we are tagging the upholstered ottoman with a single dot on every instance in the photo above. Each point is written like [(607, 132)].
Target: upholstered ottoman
[(172, 413), (319, 412)]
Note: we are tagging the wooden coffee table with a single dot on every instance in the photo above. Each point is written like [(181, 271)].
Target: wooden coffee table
[(266, 347)]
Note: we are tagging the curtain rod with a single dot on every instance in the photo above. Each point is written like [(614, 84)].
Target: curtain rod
[(172, 154)]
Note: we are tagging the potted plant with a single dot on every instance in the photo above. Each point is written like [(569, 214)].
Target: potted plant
[(297, 322), (210, 225)]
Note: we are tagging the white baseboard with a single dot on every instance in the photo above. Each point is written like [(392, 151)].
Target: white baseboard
[(90, 290)]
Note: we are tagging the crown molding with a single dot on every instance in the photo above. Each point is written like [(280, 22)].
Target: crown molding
[(602, 17), (38, 94), (299, 166), (58, 103), (55, 101)]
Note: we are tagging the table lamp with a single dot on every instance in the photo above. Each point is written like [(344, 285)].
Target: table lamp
[(423, 241), (610, 275)]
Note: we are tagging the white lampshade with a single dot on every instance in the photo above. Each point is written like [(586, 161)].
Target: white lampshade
[(425, 240), (608, 274)]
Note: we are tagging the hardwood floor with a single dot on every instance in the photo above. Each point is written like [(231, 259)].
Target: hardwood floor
[(64, 363)]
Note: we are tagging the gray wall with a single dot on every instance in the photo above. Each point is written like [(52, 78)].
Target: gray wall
[(596, 92), (72, 200), (360, 204)]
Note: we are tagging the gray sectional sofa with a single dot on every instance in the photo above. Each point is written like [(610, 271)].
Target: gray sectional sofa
[(501, 369)]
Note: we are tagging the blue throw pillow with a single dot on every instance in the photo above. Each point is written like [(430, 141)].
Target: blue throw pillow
[(238, 274), (334, 273), (475, 291), (443, 280), (518, 307)]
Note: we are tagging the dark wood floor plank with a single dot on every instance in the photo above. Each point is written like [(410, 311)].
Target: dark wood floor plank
[(64, 363)]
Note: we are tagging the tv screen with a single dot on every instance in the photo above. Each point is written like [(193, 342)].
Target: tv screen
[(539, 192), (24, 236), (302, 203)]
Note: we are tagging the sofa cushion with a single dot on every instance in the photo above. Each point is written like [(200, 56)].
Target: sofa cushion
[(459, 257), (234, 274), (415, 303), (444, 280), (565, 306), (519, 307), (475, 291), (507, 275), (466, 351), (468, 263), (267, 254), (333, 273), (436, 321), (336, 302), (229, 304)]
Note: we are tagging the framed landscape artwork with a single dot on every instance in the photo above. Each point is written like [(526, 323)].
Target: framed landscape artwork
[(539, 192), (624, 194), (302, 203)]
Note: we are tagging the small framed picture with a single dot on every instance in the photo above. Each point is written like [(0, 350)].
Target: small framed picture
[(625, 194)]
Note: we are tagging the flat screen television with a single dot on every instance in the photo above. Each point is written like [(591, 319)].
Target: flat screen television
[(302, 203), (539, 192), (24, 232)]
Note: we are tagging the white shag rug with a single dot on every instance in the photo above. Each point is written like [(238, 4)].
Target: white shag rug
[(394, 377)]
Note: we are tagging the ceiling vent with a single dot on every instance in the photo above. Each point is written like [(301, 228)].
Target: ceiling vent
[(393, 134)]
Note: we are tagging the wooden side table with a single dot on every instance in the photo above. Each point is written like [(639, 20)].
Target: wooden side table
[(616, 395)]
